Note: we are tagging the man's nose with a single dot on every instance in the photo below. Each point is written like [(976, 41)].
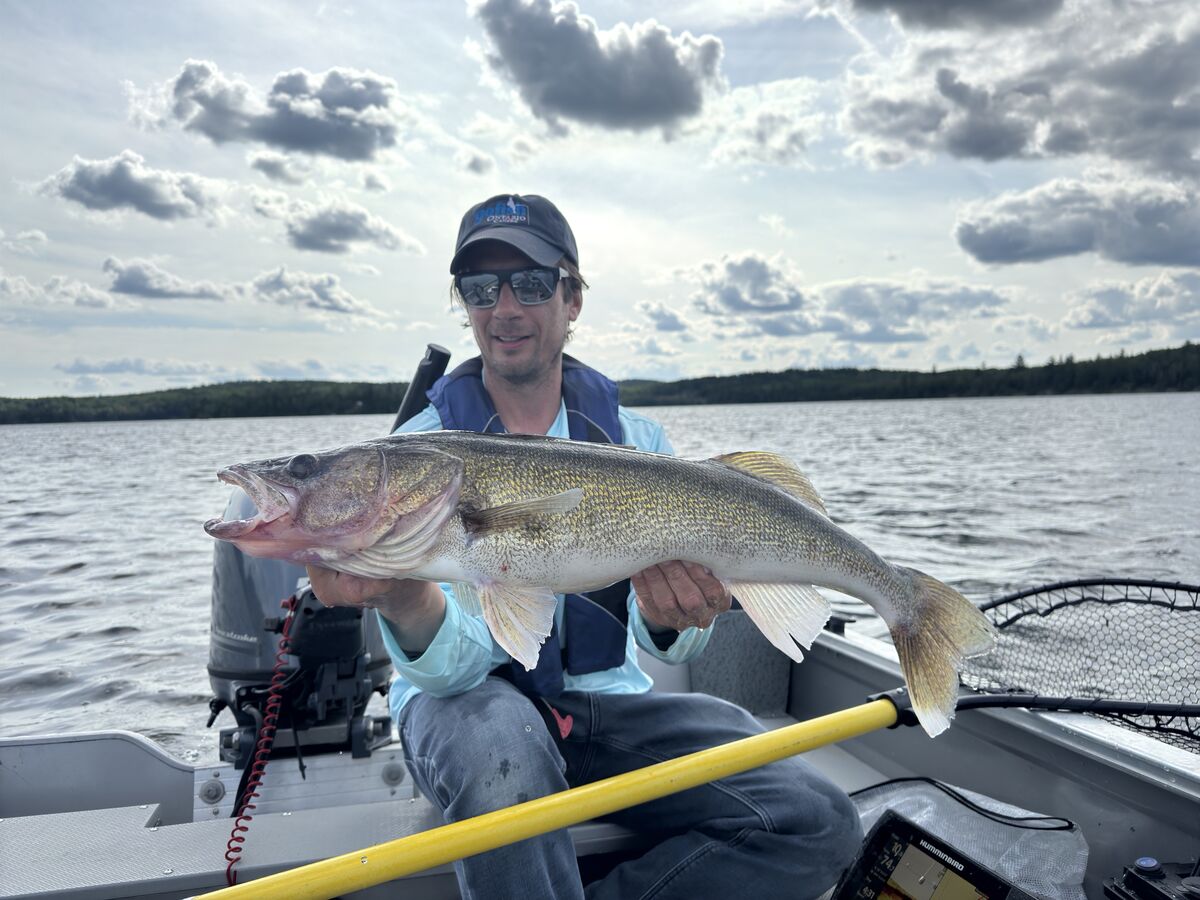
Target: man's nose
[(507, 303)]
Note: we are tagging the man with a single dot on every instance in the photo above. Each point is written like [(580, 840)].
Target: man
[(481, 733)]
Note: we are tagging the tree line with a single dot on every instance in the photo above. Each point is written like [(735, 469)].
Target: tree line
[(1176, 369)]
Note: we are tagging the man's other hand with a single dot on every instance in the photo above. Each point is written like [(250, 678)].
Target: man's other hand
[(680, 595)]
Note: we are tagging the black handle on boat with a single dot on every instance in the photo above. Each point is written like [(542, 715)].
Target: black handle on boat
[(1011, 700), (429, 370)]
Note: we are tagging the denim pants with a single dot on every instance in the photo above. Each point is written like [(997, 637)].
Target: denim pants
[(781, 830)]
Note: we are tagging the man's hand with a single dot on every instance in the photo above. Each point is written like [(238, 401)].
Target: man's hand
[(415, 608), (679, 595)]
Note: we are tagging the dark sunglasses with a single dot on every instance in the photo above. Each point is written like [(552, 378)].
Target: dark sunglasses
[(531, 286)]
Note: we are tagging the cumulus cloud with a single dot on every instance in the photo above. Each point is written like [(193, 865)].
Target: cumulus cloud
[(1135, 221), (663, 318), (279, 166), (876, 310), (963, 13), (26, 242), (747, 283), (749, 295), (321, 293), (126, 182), (342, 113), (58, 291), (142, 278), (634, 77), (772, 123), (474, 161), (1169, 298), (376, 182), (1062, 89), (333, 227), (777, 224)]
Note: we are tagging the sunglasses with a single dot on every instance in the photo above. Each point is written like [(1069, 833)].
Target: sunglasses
[(531, 286)]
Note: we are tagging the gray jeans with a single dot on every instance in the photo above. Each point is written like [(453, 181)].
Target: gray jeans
[(781, 830)]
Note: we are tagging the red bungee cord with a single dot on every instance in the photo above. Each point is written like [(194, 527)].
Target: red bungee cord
[(262, 748)]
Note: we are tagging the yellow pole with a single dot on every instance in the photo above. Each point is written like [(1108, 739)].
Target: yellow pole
[(404, 856)]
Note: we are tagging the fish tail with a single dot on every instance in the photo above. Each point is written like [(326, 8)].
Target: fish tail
[(936, 631)]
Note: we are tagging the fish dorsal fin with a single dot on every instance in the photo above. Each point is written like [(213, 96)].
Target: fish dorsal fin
[(777, 470), (522, 512)]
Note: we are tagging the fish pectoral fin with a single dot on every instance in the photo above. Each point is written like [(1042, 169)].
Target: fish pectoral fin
[(522, 512), (777, 470), (786, 614), (520, 618), (468, 598)]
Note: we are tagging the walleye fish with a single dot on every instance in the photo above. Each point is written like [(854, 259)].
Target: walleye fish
[(514, 519)]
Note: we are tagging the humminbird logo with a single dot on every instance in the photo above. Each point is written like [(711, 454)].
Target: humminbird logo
[(510, 213), (949, 860)]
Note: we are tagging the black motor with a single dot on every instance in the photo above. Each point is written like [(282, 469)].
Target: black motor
[(336, 661), (337, 658)]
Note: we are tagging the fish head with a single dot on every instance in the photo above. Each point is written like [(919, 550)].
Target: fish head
[(319, 507)]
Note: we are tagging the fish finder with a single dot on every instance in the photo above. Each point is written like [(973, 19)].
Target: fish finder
[(899, 860)]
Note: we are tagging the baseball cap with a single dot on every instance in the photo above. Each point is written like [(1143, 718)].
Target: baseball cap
[(530, 223)]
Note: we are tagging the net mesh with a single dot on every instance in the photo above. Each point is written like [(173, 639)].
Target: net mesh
[(1118, 640)]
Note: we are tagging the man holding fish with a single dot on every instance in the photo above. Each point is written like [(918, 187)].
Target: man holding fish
[(482, 727)]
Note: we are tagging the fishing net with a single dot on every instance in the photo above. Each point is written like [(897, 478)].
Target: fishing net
[(1117, 640)]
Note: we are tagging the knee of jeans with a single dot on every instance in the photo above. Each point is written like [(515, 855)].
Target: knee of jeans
[(485, 752), (832, 825)]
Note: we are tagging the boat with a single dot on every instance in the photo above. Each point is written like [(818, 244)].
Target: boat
[(109, 814)]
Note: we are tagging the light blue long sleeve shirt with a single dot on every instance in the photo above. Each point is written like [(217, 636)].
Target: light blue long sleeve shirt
[(463, 651)]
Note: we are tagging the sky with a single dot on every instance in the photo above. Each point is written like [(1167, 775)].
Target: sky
[(193, 193)]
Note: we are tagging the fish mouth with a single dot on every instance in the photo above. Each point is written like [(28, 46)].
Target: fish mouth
[(271, 503)]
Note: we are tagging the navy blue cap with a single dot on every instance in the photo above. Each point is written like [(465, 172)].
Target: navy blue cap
[(530, 223)]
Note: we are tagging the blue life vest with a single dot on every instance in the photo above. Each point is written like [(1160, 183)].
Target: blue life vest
[(595, 623)]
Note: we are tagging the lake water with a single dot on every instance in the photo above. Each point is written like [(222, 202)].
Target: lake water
[(104, 568)]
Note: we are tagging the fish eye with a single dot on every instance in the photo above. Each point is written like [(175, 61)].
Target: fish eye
[(302, 466)]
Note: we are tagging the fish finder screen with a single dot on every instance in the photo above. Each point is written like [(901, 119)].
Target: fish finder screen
[(901, 861), (905, 872)]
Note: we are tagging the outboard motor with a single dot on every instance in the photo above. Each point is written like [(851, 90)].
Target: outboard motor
[(336, 659)]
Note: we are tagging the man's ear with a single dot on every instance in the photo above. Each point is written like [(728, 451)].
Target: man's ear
[(576, 304)]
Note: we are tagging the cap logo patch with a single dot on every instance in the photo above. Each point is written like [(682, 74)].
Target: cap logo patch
[(510, 213)]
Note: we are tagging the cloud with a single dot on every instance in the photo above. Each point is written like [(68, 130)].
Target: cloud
[(749, 295), (126, 182), (1134, 221), (1169, 298), (777, 224), (18, 291), (770, 124), (376, 182), (633, 77), (333, 227), (321, 293), (142, 278), (648, 345), (279, 166), (1065, 88), (963, 13), (876, 310), (747, 283), (474, 161), (342, 113), (27, 242), (143, 366), (661, 317)]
